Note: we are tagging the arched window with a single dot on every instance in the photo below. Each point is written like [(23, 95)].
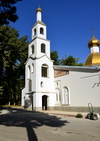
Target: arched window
[(32, 68), (29, 72), (32, 49), (41, 84), (44, 70), (41, 30), (58, 95), (66, 95), (35, 31), (43, 48)]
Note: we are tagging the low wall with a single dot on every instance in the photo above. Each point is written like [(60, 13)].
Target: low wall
[(74, 109), (66, 108)]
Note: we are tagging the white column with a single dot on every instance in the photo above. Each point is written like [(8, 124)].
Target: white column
[(39, 17)]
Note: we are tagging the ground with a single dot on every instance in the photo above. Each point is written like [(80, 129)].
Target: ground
[(21, 125)]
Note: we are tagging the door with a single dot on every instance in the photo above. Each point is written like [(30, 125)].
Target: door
[(44, 102)]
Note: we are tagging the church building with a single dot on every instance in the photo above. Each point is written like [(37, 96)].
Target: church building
[(51, 87)]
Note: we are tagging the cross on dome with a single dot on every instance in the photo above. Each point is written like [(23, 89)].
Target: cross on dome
[(92, 32)]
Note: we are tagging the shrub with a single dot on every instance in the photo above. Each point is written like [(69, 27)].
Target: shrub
[(19, 102), (79, 115)]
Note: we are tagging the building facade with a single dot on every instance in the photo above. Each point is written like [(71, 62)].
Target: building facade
[(49, 87)]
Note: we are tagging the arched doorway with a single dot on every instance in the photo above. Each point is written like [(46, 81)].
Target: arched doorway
[(44, 102)]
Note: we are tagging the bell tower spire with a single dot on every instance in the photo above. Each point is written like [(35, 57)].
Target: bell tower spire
[(39, 28), (39, 39), (39, 13)]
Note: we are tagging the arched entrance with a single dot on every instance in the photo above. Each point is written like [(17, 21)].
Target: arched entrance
[(44, 102)]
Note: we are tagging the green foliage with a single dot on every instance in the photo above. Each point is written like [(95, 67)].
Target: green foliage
[(7, 11), (54, 56), (71, 61), (79, 115), (13, 50)]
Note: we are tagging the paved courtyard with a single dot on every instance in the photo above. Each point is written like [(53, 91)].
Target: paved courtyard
[(20, 125)]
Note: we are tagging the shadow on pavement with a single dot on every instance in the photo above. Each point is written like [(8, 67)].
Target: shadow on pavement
[(29, 120)]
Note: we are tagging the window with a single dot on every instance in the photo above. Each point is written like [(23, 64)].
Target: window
[(35, 31), (29, 72), (66, 95), (32, 49), (32, 67), (41, 31), (43, 48), (41, 84), (44, 70), (58, 95)]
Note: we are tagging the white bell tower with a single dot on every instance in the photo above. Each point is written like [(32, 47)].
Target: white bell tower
[(39, 45), (39, 72)]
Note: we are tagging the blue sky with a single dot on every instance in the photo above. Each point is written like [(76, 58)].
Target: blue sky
[(69, 24)]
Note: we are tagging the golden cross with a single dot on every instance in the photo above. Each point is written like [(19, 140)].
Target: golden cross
[(38, 5), (92, 31)]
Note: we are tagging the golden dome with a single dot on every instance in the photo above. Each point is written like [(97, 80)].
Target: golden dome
[(93, 42), (39, 9), (93, 59)]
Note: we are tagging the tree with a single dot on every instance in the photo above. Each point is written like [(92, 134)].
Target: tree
[(71, 61), (8, 11), (13, 50), (54, 56)]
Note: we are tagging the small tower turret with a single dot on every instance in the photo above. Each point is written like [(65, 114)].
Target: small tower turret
[(39, 28), (94, 56), (93, 44), (39, 14)]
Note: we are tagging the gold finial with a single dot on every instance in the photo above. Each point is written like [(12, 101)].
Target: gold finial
[(93, 42), (39, 9), (92, 32)]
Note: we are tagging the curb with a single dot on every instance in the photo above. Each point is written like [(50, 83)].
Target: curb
[(69, 115)]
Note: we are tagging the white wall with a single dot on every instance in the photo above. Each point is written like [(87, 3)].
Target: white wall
[(48, 82), (82, 88)]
